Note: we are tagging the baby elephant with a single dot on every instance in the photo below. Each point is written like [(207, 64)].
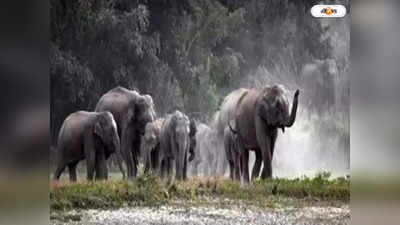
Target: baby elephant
[(177, 139), (89, 135), (150, 145), (232, 151)]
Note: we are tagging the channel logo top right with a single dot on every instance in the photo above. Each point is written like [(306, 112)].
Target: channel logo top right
[(328, 11)]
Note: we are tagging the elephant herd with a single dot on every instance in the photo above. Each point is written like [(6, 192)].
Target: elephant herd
[(124, 122)]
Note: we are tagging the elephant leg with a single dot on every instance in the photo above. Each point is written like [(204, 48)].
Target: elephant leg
[(162, 168), (255, 173), (126, 145), (273, 140), (105, 170), (89, 154), (118, 160), (101, 167), (165, 167), (128, 160), (135, 166), (185, 167), (168, 166), (59, 170), (264, 143), (220, 159), (154, 159), (231, 169), (267, 159), (178, 169), (240, 166), (236, 167), (90, 163), (147, 162), (245, 165), (72, 171), (135, 157)]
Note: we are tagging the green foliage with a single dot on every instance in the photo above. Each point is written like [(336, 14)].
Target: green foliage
[(187, 54), (149, 190), (145, 190)]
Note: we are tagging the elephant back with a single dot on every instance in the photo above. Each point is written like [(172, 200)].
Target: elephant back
[(228, 110), (117, 101), (74, 126)]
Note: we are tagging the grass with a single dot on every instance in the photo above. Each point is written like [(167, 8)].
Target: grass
[(149, 190)]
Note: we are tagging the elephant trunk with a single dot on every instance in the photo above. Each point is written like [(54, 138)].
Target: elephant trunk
[(183, 148), (292, 117), (117, 146), (192, 153)]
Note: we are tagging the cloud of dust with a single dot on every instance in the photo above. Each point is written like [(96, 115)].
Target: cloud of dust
[(312, 145)]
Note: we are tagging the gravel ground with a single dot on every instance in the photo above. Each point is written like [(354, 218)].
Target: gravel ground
[(206, 215)]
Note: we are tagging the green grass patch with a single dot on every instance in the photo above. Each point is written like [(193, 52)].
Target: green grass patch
[(145, 190), (149, 190)]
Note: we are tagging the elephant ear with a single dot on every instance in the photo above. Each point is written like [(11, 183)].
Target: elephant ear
[(98, 128)]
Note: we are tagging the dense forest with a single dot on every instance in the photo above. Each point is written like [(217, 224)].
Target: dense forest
[(189, 55)]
